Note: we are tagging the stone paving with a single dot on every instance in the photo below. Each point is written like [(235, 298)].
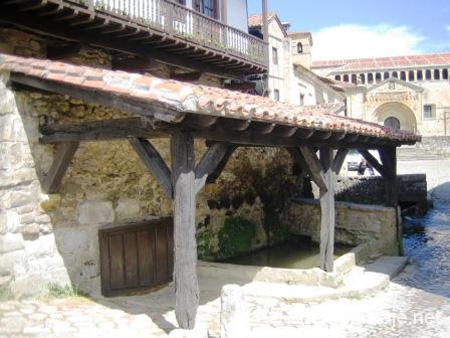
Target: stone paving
[(397, 311)]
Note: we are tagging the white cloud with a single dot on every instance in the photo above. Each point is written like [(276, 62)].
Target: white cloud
[(447, 28), (357, 41)]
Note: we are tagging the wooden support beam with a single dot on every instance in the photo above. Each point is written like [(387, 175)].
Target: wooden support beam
[(185, 273), (154, 163), (339, 160), (192, 76), (213, 176), (200, 121), (373, 161), (210, 161), (328, 211), (314, 166), (388, 157), (54, 177)]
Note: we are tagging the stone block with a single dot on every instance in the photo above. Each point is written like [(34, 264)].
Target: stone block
[(43, 246), (95, 212), (52, 202), (14, 263), (11, 242), (127, 208), (234, 318)]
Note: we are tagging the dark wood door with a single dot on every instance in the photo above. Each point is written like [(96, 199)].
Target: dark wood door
[(136, 257)]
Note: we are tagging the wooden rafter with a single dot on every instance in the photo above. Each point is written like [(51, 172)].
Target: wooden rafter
[(54, 177), (373, 162)]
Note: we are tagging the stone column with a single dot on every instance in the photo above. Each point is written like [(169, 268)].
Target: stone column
[(234, 319)]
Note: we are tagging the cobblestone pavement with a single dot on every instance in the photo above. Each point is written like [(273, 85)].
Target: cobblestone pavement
[(398, 311)]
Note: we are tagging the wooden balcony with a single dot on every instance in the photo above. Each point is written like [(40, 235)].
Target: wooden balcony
[(159, 29)]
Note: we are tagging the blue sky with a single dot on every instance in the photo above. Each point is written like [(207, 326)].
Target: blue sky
[(350, 28)]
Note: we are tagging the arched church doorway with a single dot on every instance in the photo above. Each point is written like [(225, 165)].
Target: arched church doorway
[(392, 122), (396, 115)]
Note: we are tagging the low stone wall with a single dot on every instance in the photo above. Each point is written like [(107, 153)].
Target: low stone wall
[(436, 144), (372, 189), (355, 224)]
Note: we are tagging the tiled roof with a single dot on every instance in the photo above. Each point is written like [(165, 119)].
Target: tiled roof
[(424, 60), (338, 85), (198, 99), (256, 20)]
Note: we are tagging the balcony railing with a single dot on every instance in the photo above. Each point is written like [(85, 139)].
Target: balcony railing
[(187, 24)]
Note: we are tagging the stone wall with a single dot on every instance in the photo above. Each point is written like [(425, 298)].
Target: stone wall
[(437, 144), (355, 224), (372, 189), (54, 238)]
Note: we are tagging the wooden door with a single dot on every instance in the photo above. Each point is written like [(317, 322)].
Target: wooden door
[(136, 257)]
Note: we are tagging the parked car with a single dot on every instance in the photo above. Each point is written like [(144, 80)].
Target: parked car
[(354, 159)]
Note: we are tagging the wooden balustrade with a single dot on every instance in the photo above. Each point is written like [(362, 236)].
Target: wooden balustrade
[(186, 23)]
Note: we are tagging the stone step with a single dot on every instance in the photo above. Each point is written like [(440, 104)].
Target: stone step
[(416, 154), (360, 282)]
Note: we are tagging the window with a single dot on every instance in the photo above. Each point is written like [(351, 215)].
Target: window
[(354, 79), (419, 75), (428, 111), (337, 78), (370, 78), (437, 74), (378, 77), (403, 76), (386, 75), (299, 48), (395, 75), (362, 78), (445, 74), (428, 74), (276, 95), (346, 79), (207, 7), (302, 99), (274, 56), (411, 75)]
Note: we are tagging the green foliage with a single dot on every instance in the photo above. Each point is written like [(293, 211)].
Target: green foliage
[(205, 246), (236, 236), (59, 291)]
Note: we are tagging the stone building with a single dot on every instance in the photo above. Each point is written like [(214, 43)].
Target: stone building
[(289, 78), (407, 92)]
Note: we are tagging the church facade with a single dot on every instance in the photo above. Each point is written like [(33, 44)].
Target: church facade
[(407, 92)]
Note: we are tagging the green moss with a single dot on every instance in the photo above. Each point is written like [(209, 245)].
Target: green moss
[(277, 232), (236, 237)]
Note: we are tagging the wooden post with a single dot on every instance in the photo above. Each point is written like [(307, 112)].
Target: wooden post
[(328, 212), (185, 273), (388, 156)]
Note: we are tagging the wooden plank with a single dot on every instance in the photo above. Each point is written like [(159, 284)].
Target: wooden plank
[(131, 260), (373, 161), (116, 256), (328, 212), (54, 177), (145, 241), (154, 163), (339, 160), (211, 159), (104, 262), (162, 257), (185, 274), (314, 166)]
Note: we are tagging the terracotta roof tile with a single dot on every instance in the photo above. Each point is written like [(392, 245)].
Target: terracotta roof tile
[(199, 99), (256, 20), (425, 60)]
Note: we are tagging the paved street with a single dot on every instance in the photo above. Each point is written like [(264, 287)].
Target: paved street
[(409, 307)]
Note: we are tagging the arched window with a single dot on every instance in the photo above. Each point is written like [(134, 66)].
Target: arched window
[(419, 75), (403, 76), (299, 48), (445, 74), (370, 78), (386, 75), (346, 79), (354, 79), (395, 75), (437, 74), (411, 75), (378, 77), (362, 78), (337, 78), (392, 122), (428, 74)]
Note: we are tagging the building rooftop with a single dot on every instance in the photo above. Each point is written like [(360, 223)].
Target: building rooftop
[(436, 59), (186, 98)]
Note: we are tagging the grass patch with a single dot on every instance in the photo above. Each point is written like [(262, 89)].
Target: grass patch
[(58, 291)]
